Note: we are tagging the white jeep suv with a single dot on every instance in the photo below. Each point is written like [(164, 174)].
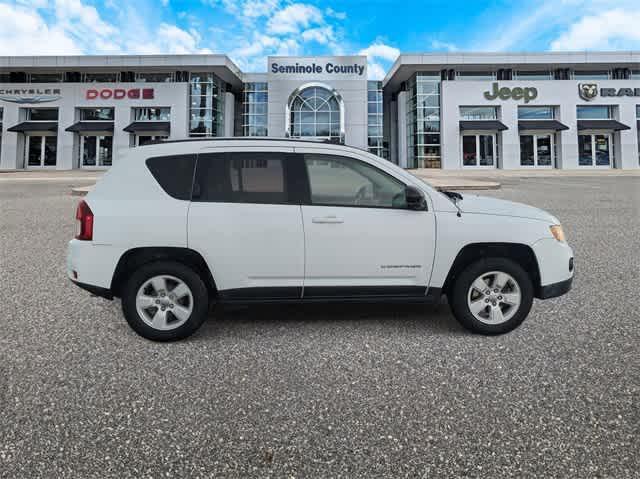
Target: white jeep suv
[(176, 227)]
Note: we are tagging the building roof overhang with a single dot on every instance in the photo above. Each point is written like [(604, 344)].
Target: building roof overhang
[(136, 126), (602, 125), (554, 125), (409, 63), (221, 65), (34, 126), (483, 125), (91, 126)]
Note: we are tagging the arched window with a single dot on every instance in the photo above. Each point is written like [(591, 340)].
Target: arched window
[(315, 111)]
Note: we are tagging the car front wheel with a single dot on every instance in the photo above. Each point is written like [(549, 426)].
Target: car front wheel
[(165, 301), (492, 296)]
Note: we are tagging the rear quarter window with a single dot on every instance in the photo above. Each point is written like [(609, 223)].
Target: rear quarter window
[(174, 174)]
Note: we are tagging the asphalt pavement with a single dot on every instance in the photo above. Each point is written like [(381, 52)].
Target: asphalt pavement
[(324, 391)]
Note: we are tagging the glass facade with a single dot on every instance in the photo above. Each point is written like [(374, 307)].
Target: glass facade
[(479, 112), (255, 109), (423, 120), (109, 77), (375, 139), (155, 77), (478, 76), (42, 114), (592, 75), (206, 105), (152, 114), (536, 113), (315, 112), (96, 114), (594, 112), (533, 75)]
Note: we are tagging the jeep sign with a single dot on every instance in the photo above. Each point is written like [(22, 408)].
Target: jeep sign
[(516, 93)]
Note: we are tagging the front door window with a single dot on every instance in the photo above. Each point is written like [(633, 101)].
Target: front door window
[(536, 150), (594, 150), (479, 150), (96, 151), (41, 151)]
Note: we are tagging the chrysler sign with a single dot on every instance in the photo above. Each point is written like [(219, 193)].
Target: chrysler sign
[(30, 95), (120, 94)]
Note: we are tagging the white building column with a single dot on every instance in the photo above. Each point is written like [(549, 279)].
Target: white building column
[(229, 114), (67, 154), (567, 139), (402, 129), (9, 158), (627, 156), (393, 131), (509, 155)]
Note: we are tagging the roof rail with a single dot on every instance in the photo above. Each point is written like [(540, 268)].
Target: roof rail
[(323, 141)]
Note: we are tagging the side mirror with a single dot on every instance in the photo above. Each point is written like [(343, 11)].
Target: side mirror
[(415, 199)]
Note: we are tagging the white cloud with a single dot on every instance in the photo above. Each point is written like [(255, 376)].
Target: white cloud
[(322, 35), (293, 18), (380, 50), (24, 32), (443, 46), (173, 40), (259, 8), (375, 52), (613, 29), (332, 13)]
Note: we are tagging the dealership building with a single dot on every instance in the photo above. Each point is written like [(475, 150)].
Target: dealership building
[(450, 111)]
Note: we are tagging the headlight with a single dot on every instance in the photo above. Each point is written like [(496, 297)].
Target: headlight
[(558, 233)]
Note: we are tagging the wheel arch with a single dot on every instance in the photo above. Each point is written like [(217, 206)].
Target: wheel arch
[(518, 252), (134, 258)]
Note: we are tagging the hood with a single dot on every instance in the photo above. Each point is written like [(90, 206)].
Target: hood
[(493, 206)]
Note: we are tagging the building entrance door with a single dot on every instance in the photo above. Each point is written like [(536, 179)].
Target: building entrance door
[(595, 150), (41, 151), (537, 150), (96, 151), (479, 150)]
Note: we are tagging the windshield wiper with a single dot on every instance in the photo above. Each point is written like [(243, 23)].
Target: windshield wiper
[(455, 197)]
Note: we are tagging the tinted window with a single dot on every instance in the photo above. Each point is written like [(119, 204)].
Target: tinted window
[(341, 181), (241, 178), (174, 174)]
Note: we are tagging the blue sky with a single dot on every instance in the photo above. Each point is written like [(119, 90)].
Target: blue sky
[(250, 30)]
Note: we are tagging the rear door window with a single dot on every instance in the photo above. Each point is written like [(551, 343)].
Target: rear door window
[(174, 174), (241, 177)]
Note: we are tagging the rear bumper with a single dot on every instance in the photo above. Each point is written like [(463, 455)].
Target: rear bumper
[(95, 290), (556, 289)]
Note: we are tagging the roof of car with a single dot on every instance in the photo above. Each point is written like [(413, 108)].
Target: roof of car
[(252, 139)]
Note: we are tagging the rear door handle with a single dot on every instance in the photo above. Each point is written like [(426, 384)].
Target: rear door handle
[(327, 220)]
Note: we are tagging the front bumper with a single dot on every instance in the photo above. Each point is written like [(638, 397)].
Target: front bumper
[(556, 289)]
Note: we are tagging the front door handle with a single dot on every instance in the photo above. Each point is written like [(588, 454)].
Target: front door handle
[(327, 220)]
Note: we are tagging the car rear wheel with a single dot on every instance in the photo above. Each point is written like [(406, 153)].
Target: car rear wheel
[(492, 296), (165, 301)]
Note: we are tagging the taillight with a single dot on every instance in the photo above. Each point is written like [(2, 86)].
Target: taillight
[(84, 215)]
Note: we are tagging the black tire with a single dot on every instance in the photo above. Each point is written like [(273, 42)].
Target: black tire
[(459, 291), (170, 268)]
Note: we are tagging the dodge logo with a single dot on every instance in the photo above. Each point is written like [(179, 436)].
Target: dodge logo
[(587, 91)]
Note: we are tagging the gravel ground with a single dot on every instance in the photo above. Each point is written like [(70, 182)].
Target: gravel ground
[(332, 391)]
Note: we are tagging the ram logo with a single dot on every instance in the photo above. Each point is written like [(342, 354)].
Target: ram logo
[(588, 91)]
